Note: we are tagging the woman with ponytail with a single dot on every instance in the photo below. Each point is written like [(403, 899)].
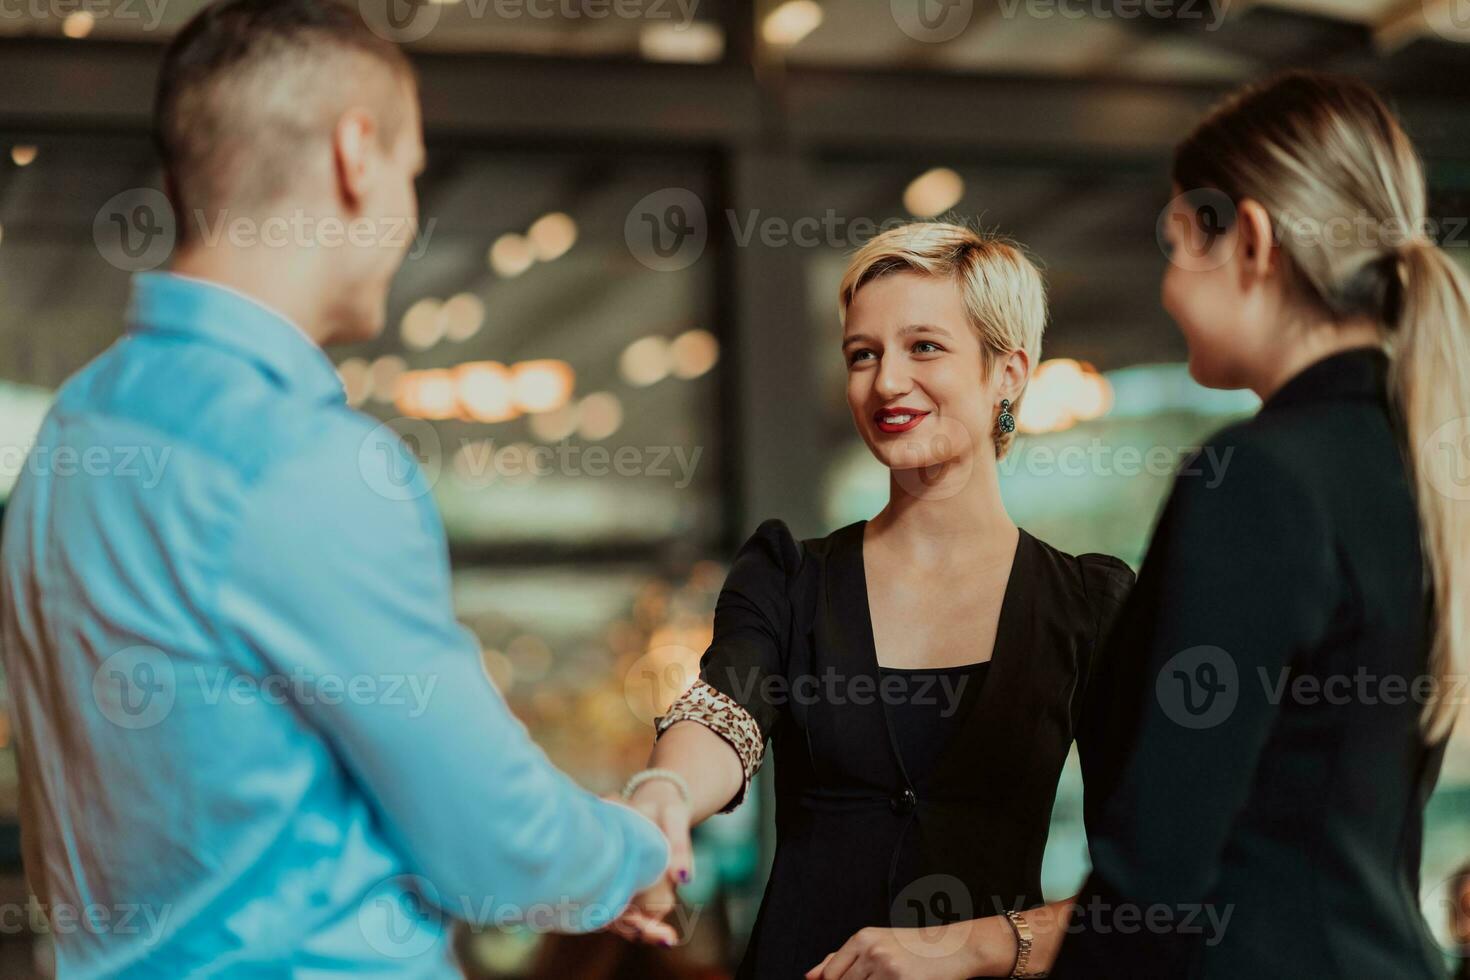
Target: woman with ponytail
[(1284, 674)]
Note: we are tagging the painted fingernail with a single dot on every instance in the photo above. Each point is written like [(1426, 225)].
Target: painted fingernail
[(684, 875)]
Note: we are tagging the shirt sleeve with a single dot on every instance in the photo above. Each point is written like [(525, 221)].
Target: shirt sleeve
[(752, 630), (1108, 581), (1237, 584), (340, 573)]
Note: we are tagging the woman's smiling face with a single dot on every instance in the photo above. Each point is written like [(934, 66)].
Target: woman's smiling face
[(916, 378)]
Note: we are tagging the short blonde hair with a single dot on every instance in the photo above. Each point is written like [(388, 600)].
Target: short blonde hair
[(1003, 292)]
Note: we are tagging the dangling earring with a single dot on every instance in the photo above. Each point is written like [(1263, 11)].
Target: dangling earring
[(1007, 420)]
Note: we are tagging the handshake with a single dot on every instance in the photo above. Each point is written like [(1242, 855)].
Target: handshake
[(663, 797)]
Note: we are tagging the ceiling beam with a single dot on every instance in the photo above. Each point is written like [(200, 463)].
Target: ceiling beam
[(56, 86)]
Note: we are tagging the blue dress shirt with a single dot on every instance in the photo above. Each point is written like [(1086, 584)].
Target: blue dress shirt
[(253, 740)]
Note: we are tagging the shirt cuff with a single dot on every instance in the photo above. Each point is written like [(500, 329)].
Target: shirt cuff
[(724, 716)]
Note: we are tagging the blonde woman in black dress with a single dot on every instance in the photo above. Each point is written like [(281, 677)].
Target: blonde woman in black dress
[(919, 677)]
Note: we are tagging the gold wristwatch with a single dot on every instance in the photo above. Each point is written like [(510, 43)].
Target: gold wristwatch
[(1022, 929)]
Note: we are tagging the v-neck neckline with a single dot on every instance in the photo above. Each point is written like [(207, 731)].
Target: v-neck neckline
[(1001, 663), (1006, 600)]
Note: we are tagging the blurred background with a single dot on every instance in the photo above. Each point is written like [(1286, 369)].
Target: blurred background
[(615, 343)]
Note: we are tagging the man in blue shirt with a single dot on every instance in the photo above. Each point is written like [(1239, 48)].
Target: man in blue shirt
[(252, 739)]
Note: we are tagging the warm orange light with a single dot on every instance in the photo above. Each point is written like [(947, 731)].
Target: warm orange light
[(1062, 393), (600, 414), (427, 395), (646, 361), (693, 353), (78, 24), (486, 391), (543, 386)]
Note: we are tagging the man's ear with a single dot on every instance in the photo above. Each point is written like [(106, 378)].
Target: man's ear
[(352, 142), (1256, 241), (1015, 370)]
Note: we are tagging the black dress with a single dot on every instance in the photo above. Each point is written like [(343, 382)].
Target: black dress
[(1269, 765), (859, 841)]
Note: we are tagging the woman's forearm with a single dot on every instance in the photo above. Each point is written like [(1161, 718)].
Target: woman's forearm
[(991, 942), (707, 762)]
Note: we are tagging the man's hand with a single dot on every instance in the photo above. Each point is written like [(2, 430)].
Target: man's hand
[(643, 920)]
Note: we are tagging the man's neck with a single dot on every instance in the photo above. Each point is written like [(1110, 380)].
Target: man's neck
[(261, 278)]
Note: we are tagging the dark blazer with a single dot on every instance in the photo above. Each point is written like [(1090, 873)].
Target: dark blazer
[(858, 843), (1268, 764)]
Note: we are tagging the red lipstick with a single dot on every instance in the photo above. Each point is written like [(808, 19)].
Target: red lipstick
[(898, 418)]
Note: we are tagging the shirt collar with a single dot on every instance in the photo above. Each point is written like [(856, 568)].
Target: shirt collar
[(165, 302), (1360, 372)]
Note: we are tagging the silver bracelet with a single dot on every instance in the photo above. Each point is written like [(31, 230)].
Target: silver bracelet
[(648, 775)]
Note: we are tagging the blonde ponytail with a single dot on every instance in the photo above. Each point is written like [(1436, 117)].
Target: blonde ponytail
[(1431, 385), (1312, 150)]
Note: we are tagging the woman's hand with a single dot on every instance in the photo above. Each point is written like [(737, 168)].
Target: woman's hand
[(971, 948), (941, 953), (643, 920)]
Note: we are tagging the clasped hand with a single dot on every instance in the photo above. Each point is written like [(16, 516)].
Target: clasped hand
[(644, 918)]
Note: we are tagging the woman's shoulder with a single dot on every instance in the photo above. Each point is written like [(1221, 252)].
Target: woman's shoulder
[(1100, 580), (774, 539)]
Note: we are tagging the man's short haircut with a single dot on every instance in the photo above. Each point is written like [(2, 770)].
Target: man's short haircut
[(248, 85)]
